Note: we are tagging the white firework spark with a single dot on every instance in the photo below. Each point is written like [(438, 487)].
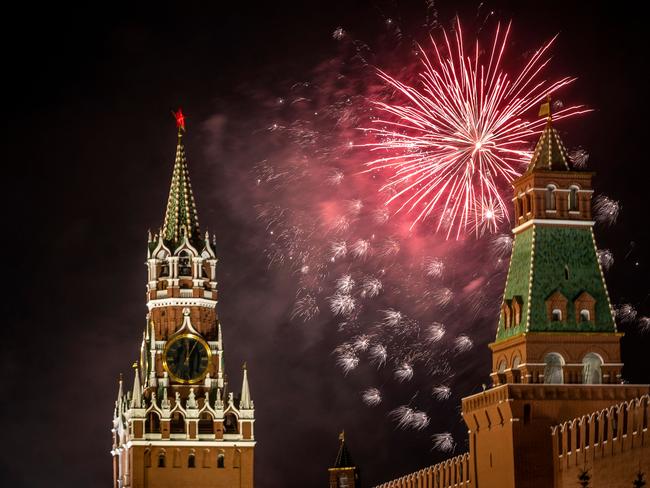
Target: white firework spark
[(345, 285), (336, 177), (341, 304), (403, 372), (346, 358), (644, 324), (443, 442), (338, 33), (441, 392), (305, 308), (605, 258), (381, 215), (606, 210), (434, 267), (354, 207), (408, 417), (390, 247), (361, 343), (360, 249), (442, 296), (501, 246), (371, 287), (579, 157), (392, 318), (436, 331), (338, 249), (626, 313), (340, 224), (462, 343), (371, 397), (378, 355)]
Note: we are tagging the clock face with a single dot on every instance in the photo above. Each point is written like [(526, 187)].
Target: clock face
[(186, 358)]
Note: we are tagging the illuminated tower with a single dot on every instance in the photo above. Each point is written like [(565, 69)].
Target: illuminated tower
[(344, 474), (556, 355), (180, 425)]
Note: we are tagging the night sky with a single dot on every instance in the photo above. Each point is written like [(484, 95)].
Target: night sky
[(88, 153)]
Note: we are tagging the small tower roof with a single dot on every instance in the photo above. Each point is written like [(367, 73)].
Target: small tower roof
[(550, 153), (343, 458), (181, 218), (245, 400), (136, 395)]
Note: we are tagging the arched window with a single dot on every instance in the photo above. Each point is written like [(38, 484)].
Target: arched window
[(206, 424), (221, 460), (184, 264), (164, 269), (550, 197), (177, 424), (591, 374), (518, 212), (152, 424), (230, 424), (573, 199), (584, 315), (516, 361), (161, 459), (191, 460), (556, 315), (502, 366), (529, 205), (553, 374)]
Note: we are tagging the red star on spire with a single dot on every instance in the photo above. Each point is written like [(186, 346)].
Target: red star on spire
[(180, 119)]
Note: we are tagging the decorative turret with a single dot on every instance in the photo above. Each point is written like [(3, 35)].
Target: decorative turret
[(245, 401), (555, 283), (344, 473)]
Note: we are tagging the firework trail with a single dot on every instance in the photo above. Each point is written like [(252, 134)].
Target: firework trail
[(453, 143), (402, 305), (606, 210), (409, 418), (371, 397), (443, 442)]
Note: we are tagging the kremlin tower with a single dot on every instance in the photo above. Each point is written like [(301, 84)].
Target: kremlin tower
[(180, 424)]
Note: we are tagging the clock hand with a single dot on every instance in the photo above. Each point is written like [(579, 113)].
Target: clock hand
[(192, 350)]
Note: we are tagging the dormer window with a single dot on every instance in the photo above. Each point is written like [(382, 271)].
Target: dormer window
[(516, 310), (556, 306), (573, 199), (230, 424), (184, 265), (550, 197), (506, 314), (585, 307)]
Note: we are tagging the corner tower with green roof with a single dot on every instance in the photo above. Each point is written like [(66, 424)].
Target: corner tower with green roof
[(556, 323)]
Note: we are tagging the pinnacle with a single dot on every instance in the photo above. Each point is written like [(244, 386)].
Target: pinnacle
[(181, 218)]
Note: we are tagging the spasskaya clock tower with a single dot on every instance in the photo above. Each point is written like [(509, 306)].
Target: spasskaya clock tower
[(180, 425)]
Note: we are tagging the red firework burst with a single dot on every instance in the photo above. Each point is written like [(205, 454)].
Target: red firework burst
[(461, 136)]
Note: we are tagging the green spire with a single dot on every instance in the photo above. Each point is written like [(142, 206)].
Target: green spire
[(550, 153), (181, 218)]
